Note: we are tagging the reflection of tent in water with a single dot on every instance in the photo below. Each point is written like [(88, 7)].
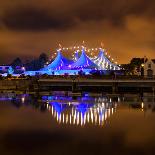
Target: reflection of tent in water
[(84, 107), (58, 64), (86, 99), (58, 107)]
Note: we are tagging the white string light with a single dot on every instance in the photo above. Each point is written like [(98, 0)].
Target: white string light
[(80, 48)]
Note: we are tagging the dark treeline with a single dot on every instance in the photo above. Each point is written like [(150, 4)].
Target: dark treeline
[(33, 65), (134, 66)]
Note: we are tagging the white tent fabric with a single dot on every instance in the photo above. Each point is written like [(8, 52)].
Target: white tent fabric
[(104, 63)]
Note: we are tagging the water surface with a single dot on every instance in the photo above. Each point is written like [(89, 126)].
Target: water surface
[(79, 125)]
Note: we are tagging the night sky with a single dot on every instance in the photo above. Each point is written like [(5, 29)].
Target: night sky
[(30, 27)]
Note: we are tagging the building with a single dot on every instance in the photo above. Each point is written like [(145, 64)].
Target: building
[(149, 67), (19, 70), (6, 69)]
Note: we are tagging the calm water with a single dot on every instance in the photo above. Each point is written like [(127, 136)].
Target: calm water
[(82, 125)]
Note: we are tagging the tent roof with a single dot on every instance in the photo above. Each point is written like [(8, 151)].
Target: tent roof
[(59, 62), (101, 55), (103, 58), (84, 62)]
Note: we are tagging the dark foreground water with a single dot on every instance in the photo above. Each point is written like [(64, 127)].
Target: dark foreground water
[(66, 125)]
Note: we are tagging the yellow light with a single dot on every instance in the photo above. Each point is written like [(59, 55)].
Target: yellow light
[(142, 65), (142, 105)]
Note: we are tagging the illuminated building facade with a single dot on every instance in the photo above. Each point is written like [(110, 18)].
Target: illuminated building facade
[(149, 67)]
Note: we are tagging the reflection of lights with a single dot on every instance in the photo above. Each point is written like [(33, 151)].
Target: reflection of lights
[(119, 99), (63, 118), (142, 105), (110, 100), (72, 115), (23, 99)]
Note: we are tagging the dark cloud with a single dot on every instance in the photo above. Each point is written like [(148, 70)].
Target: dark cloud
[(35, 19), (31, 27), (115, 11)]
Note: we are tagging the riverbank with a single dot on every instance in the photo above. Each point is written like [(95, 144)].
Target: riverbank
[(79, 85)]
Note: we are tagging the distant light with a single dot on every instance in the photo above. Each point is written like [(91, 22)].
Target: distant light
[(142, 65), (23, 68)]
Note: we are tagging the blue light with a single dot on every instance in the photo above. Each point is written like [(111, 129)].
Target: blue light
[(83, 107), (62, 65), (58, 107), (83, 62), (58, 63)]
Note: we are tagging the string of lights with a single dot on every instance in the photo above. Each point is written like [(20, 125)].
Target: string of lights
[(77, 49)]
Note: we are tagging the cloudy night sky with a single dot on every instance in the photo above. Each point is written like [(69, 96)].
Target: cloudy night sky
[(30, 27)]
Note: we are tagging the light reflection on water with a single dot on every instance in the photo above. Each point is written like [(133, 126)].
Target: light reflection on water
[(111, 125), (81, 113)]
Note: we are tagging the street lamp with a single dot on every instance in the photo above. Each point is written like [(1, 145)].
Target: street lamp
[(142, 69)]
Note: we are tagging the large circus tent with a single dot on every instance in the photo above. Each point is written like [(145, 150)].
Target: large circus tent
[(62, 65)]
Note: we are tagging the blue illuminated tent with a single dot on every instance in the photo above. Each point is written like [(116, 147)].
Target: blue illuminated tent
[(58, 63), (83, 62)]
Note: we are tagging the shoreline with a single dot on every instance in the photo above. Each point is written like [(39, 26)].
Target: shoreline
[(79, 85)]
